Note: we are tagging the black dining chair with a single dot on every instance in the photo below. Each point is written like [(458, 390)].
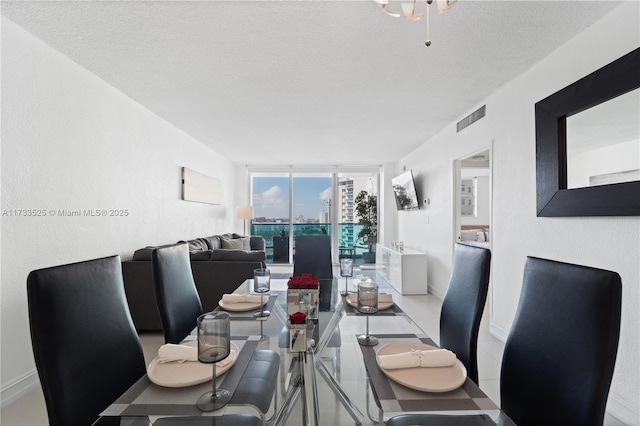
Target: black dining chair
[(258, 384), (280, 249), (568, 316), (561, 351), (463, 305), (176, 294), (313, 256), (86, 349)]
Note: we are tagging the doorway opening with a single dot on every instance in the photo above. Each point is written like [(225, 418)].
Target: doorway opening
[(473, 206), (473, 199)]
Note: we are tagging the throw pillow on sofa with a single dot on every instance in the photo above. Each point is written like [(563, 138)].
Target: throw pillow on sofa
[(197, 245), (246, 243), (235, 244), (214, 242), (198, 249)]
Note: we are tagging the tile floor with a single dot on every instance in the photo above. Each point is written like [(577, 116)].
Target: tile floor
[(30, 410)]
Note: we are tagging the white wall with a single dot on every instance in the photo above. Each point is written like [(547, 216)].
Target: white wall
[(70, 141), (620, 157), (605, 242), (387, 210)]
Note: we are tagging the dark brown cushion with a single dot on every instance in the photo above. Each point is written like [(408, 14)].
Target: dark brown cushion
[(213, 242), (199, 244)]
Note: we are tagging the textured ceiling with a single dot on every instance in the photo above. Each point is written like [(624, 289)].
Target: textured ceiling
[(305, 82)]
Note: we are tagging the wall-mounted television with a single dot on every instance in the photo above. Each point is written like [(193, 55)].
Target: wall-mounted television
[(404, 190)]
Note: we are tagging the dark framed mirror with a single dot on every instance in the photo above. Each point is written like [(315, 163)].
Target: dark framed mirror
[(553, 198)]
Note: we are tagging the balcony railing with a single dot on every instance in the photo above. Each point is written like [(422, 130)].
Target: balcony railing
[(276, 237)]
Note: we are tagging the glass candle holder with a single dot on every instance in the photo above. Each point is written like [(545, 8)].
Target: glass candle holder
[(367, 304), (346, 271), (214, 344), (261, 285)]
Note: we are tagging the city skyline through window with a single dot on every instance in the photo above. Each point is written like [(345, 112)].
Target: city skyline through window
[(311, 199), (292, 203)]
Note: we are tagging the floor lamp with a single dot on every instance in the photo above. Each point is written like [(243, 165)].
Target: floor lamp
[(244, 212)]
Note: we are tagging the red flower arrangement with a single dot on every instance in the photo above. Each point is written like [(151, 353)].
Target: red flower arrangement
[(304, 281), (298, 318)]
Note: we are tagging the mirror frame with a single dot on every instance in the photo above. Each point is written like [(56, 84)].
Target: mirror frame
[(553, 197)]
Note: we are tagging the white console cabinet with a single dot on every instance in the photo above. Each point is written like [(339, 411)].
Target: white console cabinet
[(406, 270)]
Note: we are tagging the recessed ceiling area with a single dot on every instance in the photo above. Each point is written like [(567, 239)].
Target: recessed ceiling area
[(305, 82)]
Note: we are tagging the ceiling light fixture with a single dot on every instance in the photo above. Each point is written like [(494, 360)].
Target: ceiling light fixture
[(414, 10)]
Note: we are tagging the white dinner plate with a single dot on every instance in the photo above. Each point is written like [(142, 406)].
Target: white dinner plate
[(243, 306), (352, 300), (179, 375), (426, 379)]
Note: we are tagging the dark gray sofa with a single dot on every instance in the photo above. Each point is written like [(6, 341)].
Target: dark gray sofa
[(218, 267)]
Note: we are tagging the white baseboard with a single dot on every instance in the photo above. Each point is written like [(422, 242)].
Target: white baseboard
[(498, 332), (19, 387), (619, 408), (439, 295)]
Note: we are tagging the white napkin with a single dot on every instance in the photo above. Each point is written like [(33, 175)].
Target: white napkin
[(418, 358), (241, 298), (180, 353)]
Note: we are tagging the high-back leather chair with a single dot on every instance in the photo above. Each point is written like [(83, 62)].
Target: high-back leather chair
[(176, 294), (566, 333), (313, 256), (561, 351), (86, 349), (463, 305)]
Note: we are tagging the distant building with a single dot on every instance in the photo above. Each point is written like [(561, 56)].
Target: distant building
[(348, 190), (346, 197), (345, 212)]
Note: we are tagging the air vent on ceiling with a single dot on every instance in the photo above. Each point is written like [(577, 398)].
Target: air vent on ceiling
[(472, 118)]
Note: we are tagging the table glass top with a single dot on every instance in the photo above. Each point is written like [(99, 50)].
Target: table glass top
[(338, 354)]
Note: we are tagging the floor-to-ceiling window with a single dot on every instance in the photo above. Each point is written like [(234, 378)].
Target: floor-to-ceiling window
[(312, 197), (271, 213), (291, 202)]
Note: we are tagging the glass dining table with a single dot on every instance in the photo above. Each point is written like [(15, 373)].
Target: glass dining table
[(336, 380)]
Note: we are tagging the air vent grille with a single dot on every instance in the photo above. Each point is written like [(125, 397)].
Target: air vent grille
[(472, 118)]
